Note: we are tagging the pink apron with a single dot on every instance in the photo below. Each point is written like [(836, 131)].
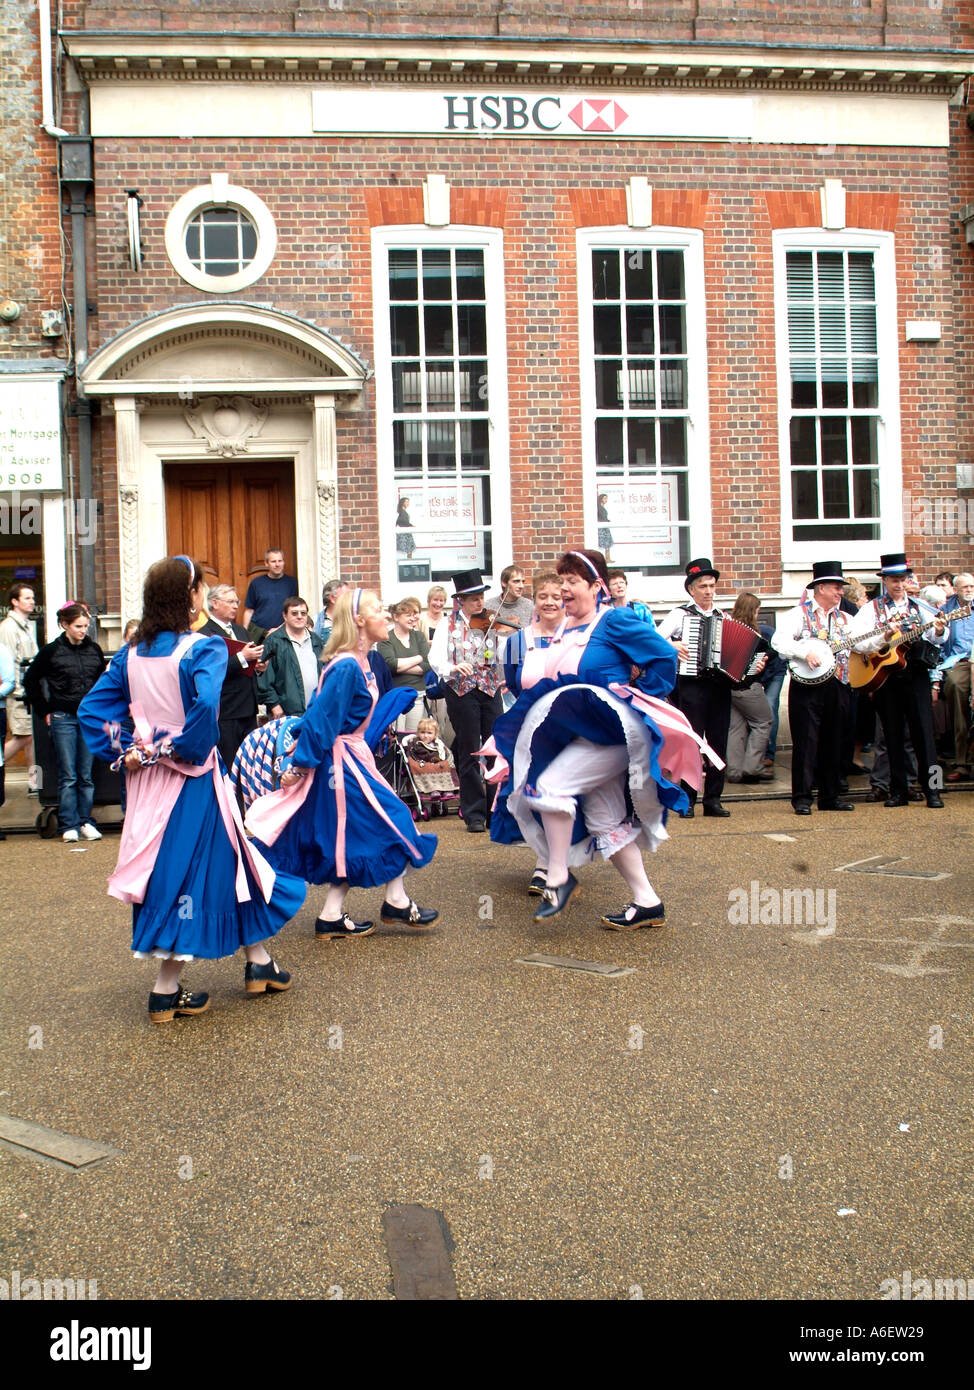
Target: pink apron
[(153, 791), (269, 814)]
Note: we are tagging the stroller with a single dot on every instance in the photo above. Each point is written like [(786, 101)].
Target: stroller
[(433, 785)]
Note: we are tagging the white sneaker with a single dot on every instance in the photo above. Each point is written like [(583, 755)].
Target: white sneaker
[(70, 837), (88, 832)]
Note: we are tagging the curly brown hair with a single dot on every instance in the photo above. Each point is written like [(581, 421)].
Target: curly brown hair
[(166, 605)]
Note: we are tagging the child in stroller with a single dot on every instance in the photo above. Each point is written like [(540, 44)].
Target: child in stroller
[(431, 769)]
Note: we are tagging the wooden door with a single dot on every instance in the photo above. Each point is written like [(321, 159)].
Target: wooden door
[(226, 515)]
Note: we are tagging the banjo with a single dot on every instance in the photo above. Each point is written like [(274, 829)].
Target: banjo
[(826, 650)]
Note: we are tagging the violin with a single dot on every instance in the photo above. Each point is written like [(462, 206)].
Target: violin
[(487, 622)]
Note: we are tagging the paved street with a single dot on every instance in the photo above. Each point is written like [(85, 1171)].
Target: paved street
[(694, 1128)]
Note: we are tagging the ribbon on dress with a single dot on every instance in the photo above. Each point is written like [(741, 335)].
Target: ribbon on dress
[(679, 757)]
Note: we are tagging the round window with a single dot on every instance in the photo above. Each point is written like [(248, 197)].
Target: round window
[(220, 237)]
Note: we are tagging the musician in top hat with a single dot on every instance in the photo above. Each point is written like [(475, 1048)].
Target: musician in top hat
[(904, 701), (465, 659), (817, 712), (705, 699)]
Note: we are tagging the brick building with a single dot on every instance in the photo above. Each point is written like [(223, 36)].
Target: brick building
[(411, 288)]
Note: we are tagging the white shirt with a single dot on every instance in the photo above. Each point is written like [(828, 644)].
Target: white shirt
[(308, 663), (866, 619), (789, 638)]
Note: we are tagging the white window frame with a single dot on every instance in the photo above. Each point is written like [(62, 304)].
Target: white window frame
[(798, 555), (218, 193), (491, 241), (656, 588)]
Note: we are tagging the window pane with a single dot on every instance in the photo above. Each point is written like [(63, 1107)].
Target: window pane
[(804, 394), (673, 443), (436, 275), (804, 495), (441, 446), (403, 281), (835, 394), (861, 277), (865, 384), (799, 275), (608, 331), (438, 323), (406, 386), (864, 441), (471, 329), (640, 334), (220, 267), (639, 273), (474, 446), (642, 445), (669, 275), (803, 437), (865, 485), (605, 274), (672, 328), (440, 389), (473, 384), (407, 442), (608, 444), (608, 384), (404, 330), (470, 275), (673, 383), (193, 241), (642, 383), (248, 241), (831, 275), (220, 242), (835, 492), (834, 442)]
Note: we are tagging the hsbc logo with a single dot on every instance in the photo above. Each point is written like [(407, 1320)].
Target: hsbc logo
[(598, 115), (543, 115)]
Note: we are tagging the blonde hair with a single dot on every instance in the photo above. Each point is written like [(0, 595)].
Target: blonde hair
[(428, 719), (746, 609), (345, 633)]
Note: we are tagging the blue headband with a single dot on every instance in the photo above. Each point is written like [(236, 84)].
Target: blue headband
[(189, 565), (586, 561), (356, 600)]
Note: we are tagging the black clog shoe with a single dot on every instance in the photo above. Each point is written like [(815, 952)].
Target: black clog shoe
[(633, 917), (342, 929), (537, 885), (556, 899), (413, 915), (163, 1008), (258, 978)]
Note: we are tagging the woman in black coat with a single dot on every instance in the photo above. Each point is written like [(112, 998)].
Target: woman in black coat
[(55, 683)]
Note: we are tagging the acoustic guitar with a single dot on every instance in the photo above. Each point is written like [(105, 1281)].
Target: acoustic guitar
[(869, 672)]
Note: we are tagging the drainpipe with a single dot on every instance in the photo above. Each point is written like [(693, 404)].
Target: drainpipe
[(77, 177), (47, 78)]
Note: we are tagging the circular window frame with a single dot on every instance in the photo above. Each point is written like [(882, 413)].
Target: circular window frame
[(220, 194)]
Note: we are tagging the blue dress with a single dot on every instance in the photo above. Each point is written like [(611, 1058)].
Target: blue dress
[(375, 850), (551, 714), (190, 908)]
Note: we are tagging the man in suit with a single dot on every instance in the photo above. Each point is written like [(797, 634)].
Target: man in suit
[(238, 698)]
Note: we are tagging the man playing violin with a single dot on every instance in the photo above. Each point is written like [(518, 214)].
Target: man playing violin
[(817, 713), (904, 700), (464, 655)]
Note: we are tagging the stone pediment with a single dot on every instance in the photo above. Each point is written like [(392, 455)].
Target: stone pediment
[(205, 349)]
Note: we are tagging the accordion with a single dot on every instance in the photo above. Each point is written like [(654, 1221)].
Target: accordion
[(718, 644)]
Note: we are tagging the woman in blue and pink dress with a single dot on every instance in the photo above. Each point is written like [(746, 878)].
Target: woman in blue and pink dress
[(334, 818), (196, 885), (594, 761)]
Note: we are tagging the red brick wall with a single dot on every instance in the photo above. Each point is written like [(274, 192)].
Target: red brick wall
[(30, 258), (328, 193), (919, 23)]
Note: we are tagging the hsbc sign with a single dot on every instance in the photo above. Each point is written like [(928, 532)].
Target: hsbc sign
[(532, 114)]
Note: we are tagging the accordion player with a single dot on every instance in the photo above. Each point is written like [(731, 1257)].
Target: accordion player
[(717, 644)]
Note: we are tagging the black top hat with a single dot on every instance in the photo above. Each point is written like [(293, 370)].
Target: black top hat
[(894, 565), (824, 572), (468, 582), (699, 569)]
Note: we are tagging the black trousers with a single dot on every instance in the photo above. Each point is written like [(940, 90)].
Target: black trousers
[(818, 715), (904, 702), (706, 702), (232, 734), (472, 717)]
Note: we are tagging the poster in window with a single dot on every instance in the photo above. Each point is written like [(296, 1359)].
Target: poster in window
[(444, 524), (641, 519)]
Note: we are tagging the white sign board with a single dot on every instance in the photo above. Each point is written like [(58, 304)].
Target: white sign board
[(443, 525), (30, 436), (580, 115), (641, 517)]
